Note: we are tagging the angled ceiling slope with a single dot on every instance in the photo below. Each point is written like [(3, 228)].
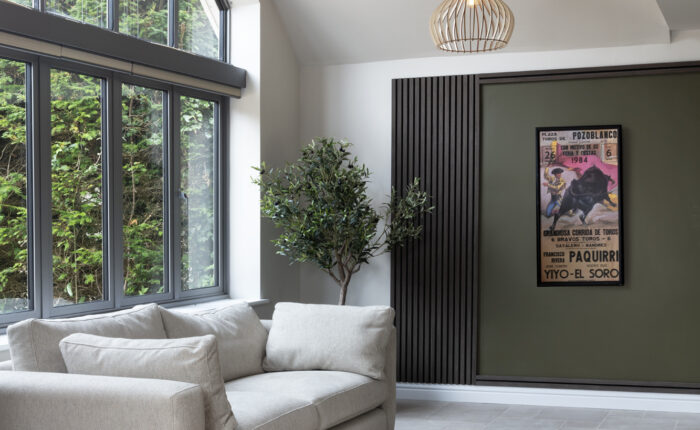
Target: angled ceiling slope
[(355, 31), (681, 14)]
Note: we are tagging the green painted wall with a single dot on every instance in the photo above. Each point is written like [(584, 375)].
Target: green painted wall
[(647, 330)]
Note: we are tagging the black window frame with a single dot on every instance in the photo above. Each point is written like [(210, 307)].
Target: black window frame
[(34, 265), (44, 202), (113, 23), (35, 23), (39, 216)]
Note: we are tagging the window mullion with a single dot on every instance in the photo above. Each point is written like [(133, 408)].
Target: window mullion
[(114, 192), (108, 193), (223, 35), (113, 15), (34, 186), (42, 199), (219, 187), (172, 23), (168, 186), (175, 253)]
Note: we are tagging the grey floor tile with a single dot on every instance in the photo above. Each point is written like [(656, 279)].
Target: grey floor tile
[(420, 415), (581, 425), (463, 426), (506, 423), (637, 423), (522, 411), (418, 408), (577, 414), (625, 413), (416, 424), (469, 412), (681, 417)]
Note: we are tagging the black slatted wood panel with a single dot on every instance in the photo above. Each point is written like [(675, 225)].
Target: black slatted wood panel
[(433, 135)]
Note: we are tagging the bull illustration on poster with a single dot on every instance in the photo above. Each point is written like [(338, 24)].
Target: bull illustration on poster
[(579, 206)]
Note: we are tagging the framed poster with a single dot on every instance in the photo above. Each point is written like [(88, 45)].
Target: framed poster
[(579, 206)]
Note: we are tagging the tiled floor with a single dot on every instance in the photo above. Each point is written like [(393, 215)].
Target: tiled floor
[(421, 415)]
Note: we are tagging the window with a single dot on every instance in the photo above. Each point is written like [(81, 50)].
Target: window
[(143, 220), (76, 187), (111, 155), (145, 19), (198, 27), (14, 264), (197, 193), (25, 3), (88, 11), (126, 189), (195, 26)]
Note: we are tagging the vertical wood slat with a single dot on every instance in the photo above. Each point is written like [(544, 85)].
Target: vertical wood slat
[(432, 278)]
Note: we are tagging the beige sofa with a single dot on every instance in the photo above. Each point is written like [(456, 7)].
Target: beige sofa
[(288, 400)]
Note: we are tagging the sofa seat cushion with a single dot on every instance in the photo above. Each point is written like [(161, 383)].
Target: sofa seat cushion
[(269, 411), (337, 396)]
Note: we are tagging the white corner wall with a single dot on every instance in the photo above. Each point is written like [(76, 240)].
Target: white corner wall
[(244, 149), (264, 125), (354, 102), (280, 144)]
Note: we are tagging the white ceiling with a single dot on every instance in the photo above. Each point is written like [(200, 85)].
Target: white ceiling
[(354, 31), (681, 14)]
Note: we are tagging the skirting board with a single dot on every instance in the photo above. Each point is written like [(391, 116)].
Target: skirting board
[(661, 402)]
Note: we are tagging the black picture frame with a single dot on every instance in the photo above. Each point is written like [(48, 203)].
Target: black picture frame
[(617, 280)]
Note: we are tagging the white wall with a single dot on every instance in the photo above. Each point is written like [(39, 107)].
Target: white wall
[(280, 144), (244, 264), (264, 126), (354, 102)]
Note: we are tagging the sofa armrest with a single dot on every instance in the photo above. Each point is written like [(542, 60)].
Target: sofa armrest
[(37, 400), (389, 405)]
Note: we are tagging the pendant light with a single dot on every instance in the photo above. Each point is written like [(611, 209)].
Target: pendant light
[(472, 25)]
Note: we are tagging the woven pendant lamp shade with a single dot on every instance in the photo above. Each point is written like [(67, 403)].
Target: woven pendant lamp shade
[(472, 25)]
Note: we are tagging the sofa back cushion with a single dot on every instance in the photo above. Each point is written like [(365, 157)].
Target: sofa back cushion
[(327, 337), (194, 360), (34, 342), (239, 333)]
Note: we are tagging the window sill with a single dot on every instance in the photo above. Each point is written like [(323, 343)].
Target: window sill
[(191, 308)]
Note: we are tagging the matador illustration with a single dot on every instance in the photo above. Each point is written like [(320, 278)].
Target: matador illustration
[(555, 186)]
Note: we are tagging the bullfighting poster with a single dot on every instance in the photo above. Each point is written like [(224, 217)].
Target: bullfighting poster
[(579, 212)]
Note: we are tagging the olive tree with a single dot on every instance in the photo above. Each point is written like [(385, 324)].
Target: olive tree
[(320, 203)]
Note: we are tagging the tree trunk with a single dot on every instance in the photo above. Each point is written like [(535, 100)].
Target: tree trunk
[(343, 290)]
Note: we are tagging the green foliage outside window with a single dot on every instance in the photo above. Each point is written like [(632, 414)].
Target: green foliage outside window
[(26, 3), (198, 30), (197, 181), (197, 20), (78, 196), (76, 187), (143, 187), (88, 11), (77, 161), (13, 187), (145, 19)]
